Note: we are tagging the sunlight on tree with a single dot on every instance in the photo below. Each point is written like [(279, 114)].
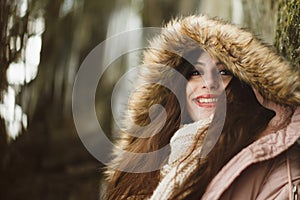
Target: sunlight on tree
[(24, 32)]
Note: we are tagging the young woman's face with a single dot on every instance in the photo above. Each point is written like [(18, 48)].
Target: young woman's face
[(207, 81)]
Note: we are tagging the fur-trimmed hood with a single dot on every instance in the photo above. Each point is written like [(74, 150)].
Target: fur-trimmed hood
[(246, 57)]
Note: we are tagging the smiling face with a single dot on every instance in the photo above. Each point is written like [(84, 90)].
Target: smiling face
[(206, 82)]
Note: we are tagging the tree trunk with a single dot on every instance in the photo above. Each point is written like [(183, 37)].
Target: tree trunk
[(288, 30), (4, 65)]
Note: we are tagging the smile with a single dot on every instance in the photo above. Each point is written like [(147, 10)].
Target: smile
[(206, 100)]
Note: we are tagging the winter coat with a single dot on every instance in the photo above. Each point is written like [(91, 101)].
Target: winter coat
[(269, 168)]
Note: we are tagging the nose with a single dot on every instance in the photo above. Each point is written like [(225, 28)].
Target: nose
[(211, 81)]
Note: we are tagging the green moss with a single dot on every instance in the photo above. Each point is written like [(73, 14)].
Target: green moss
[(287, 38)]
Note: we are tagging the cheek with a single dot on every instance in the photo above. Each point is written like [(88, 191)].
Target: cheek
[(188, 93), (190, 87), (193, 85)]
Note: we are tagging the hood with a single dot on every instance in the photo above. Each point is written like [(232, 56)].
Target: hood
[(248, 58)]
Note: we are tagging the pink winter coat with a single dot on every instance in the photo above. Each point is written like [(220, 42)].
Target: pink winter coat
[(267, 169)]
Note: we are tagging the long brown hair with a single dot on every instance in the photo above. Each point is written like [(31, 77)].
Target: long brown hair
[(125, 184), (245, 119)]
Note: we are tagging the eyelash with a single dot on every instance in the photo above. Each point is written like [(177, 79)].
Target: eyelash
[(223, 72), (196, 73), (226, 72)]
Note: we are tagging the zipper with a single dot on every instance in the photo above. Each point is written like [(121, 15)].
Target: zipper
[(295, 192)]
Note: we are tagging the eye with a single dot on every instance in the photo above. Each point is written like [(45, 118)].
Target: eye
[(196, 73), (225, 72)]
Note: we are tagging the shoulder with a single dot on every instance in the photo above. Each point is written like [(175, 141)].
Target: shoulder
[(267, 158), (271, 179)]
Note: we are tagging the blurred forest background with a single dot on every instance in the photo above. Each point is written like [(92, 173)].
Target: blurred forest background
[(43, 43)]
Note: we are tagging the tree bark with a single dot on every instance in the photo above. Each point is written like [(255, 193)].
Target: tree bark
[(287, 38), (4, 65)]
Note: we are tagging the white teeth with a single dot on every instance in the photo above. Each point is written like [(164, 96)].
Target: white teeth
[(208, 100)]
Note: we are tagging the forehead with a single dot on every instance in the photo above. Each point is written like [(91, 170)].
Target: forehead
[(200, 59), (206, 58)]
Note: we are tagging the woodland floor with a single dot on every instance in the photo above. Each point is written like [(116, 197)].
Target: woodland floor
[(53, 168)]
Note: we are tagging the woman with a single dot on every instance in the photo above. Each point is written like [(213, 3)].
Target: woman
[(257, 137), (198, 104)]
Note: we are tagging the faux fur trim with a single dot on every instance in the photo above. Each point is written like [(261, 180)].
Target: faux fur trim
[(247, 57)]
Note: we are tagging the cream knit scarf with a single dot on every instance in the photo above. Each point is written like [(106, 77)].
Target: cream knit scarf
[(185, 151)]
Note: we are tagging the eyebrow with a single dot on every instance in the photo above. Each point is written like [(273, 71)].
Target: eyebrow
[(203, 64), (220, 63), (200, 63)]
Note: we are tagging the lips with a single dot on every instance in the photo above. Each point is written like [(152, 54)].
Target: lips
[(206, 100)]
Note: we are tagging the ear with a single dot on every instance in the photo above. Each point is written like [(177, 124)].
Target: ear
[(259, 98)]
